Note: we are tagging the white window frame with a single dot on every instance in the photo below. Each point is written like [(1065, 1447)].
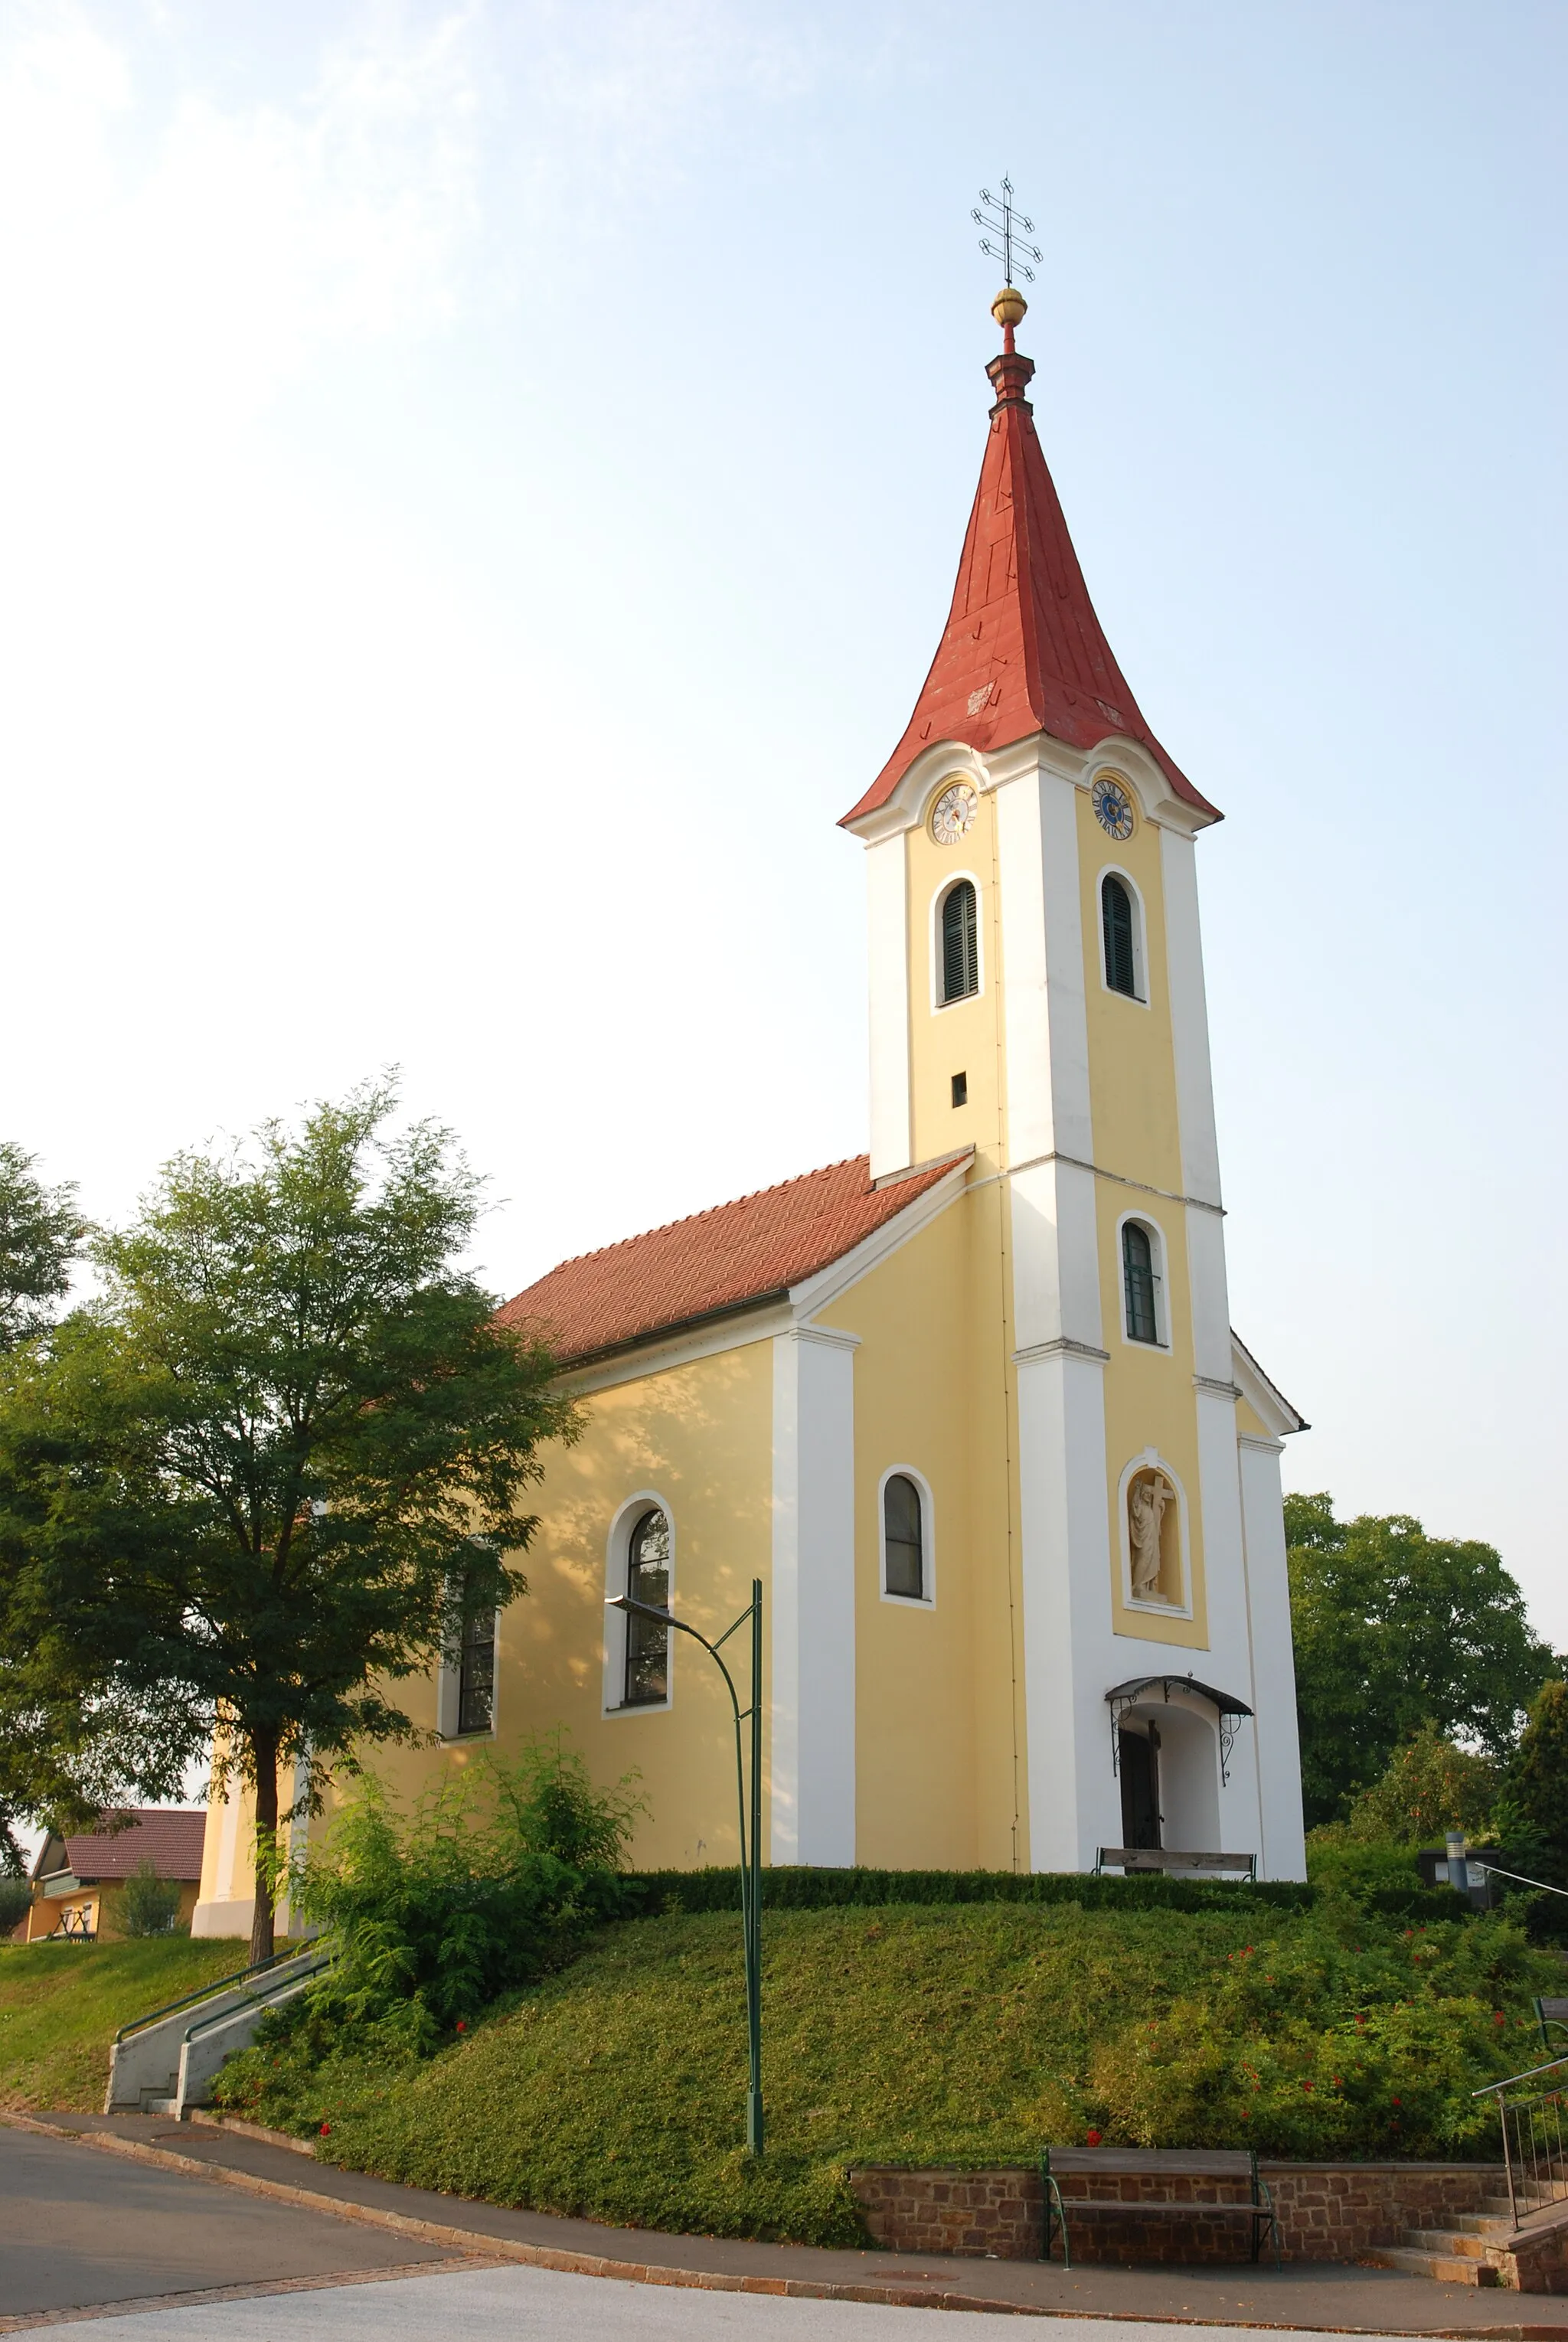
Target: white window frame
[(1151, 1460), (927, 1601), (1156, 1234), (617, 1567), (1139, 996), (954, 878)]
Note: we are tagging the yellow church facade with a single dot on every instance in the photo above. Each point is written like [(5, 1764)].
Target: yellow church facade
[(969, 1406)]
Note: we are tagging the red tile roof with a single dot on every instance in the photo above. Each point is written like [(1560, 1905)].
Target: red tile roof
[(732, 1257), (1022, 650), (170, 1839)]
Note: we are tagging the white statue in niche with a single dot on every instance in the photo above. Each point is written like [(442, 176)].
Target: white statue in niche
[(1147, 1498)]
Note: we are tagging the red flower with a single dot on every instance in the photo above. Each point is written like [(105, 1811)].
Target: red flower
[(463, 2024), (1091, 2138), (1396, 2102), (324, 2129)]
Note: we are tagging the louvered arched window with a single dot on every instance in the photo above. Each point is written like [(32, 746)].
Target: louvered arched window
[(960, 943), (1119, 921), (1141, 1282), (903, 1538)]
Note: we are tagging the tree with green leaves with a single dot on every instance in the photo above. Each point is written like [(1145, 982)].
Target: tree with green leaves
[(1532, 1817), (274, 1467), (1393, 1630), (42, 1740), (41, 1233), (1431, 1786)]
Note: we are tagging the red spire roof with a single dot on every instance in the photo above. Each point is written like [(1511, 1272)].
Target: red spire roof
[(1022, 650)]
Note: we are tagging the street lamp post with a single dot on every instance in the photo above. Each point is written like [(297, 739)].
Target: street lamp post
[(751, 1842)]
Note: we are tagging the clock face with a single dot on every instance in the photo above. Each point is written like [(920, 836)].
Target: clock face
[(1113, 806), (952, 813)]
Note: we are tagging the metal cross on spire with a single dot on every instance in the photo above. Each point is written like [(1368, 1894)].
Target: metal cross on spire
[(1001, 220)]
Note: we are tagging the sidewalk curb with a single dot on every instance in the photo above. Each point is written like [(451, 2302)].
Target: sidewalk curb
[(474, 2242)]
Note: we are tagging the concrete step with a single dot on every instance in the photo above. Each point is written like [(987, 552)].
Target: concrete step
[(1492, 2226), (1453, 2244), (1447, 2268)]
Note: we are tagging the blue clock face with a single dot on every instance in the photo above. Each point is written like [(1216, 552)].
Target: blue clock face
[(1113, 807)]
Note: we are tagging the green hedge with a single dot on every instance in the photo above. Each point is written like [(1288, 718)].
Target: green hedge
[(651, 1893), (788, 1887)]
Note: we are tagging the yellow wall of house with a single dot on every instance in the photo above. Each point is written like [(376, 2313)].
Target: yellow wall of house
[(965, 1037), (939, 1765), (700, 1437), (1150, 1400)]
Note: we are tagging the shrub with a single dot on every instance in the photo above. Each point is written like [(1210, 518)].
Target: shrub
[(1314, 2046), (494, 1877), (147, 1905), (15, 1901)]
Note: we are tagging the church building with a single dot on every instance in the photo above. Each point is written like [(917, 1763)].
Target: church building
[(970, 1407)]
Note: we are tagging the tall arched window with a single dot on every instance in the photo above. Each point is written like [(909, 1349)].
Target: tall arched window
[(1121, 952), (647, 1642), (960, 944), (1142, 1283), (903, 1537)]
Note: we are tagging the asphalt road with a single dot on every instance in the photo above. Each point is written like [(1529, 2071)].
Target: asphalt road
[(82, 2230), (79, 2227), (533, 2305)]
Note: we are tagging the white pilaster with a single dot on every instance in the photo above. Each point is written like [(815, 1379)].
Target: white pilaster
[(887, 926), (1043, 951), (1074, 1800), (1283, 1852), (1063, 1523), (1230, 1648), (1189, 1019), (812, 1605)]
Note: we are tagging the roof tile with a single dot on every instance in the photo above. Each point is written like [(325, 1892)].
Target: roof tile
[(169, 1838), (730, 1258)]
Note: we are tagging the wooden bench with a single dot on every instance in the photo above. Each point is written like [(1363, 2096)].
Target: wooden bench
[(1240, 2166), (1127, 1859)]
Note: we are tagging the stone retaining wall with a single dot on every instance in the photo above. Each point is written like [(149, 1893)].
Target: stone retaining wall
[(1326, 2211)]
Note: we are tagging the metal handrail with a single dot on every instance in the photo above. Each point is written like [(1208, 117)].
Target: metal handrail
[(204, 1992), (1534, 2141), (249, 2000)]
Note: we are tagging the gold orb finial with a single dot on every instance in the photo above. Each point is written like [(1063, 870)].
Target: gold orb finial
[(1010, 308)]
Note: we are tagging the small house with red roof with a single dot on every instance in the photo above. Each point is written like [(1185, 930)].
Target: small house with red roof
[(968, 1406), (77, 1877)]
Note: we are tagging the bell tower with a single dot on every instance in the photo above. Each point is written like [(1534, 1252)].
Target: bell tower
[(1037, 994)]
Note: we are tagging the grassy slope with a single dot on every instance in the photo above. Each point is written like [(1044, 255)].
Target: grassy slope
[(908, 2034), (62, 2004)]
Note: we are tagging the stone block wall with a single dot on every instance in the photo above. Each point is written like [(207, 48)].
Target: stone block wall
[(1326, 2211)]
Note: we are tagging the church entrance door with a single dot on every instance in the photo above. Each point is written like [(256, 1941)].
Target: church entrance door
[(1139, 1763)]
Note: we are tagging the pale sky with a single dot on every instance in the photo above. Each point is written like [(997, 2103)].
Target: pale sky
[(480, 488)]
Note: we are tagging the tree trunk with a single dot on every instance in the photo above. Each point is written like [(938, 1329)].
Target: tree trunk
[(264, 1757)]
